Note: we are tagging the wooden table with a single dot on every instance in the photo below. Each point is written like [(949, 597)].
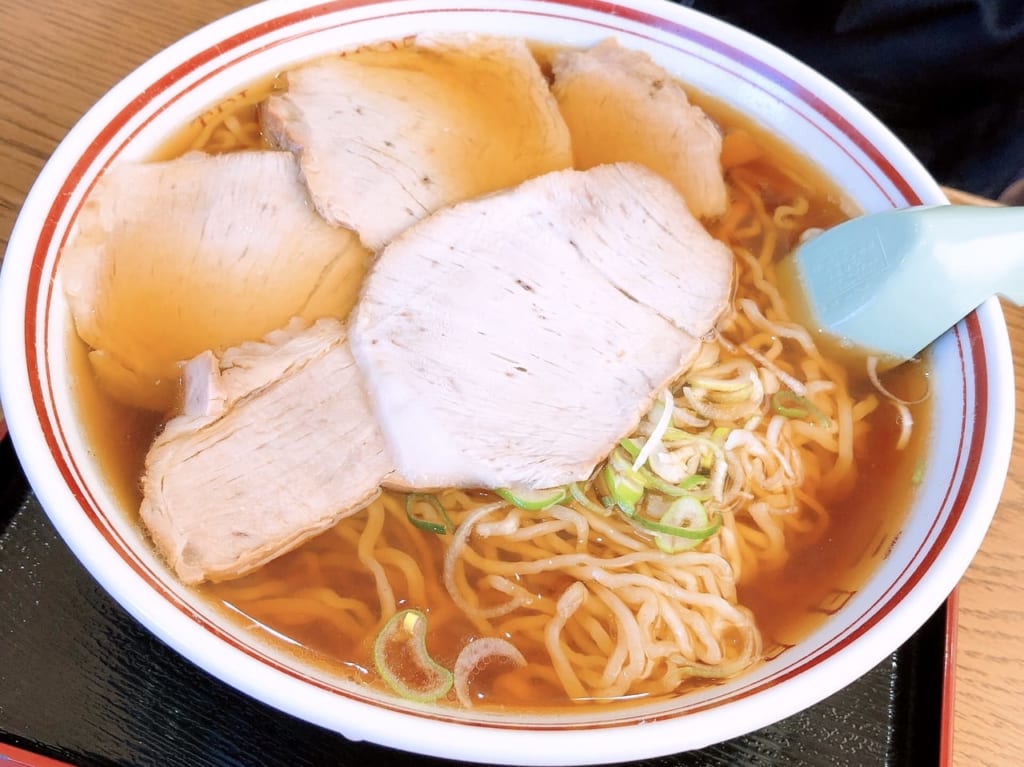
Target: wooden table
[(58, 56)]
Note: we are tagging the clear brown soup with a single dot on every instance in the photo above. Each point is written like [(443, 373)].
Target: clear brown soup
[(788, 602)]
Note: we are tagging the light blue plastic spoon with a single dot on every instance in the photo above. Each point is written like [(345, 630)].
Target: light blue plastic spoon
[(888, 284)]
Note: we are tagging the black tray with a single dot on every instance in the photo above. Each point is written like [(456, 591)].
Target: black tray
[(82, 682)]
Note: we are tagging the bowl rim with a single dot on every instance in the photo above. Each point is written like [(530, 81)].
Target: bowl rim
[(981, 337)]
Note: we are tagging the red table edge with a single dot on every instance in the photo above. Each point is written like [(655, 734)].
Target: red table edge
[(949, 680), (10, 756)]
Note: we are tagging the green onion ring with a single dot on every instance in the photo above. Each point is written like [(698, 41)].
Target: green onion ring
[(791, 405), (410, 626), (440, 528), (580, 496)]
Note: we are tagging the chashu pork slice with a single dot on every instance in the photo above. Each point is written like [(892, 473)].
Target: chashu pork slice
[(200, 252), (621, 106), (683, 273), (276, 443), (387, 136), (497, 351)]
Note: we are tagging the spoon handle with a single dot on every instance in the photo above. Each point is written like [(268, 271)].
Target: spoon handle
[(981, 248)]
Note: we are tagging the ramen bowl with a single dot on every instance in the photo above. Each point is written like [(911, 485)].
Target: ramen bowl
[(961, 479)]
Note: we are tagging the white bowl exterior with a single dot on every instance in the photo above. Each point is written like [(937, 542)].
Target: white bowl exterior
[(973, 377)]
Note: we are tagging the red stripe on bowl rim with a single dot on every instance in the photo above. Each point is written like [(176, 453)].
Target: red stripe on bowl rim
[(968, 336)]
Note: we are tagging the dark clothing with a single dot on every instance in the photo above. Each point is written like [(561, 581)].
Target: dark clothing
[(946, 76)]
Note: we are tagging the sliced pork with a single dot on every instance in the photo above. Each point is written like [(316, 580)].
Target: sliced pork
[(387, 136), (276, 444), (621, 106), (200, 252), (683, 273), (500, 346)]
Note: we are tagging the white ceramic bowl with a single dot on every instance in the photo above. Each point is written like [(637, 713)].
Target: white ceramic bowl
[(973, 376)]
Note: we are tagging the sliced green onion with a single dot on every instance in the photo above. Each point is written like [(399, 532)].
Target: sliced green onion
[(619, 460), (580, 496), (675, 434), (442, 527), (625, 491), (533, 500), (693, 480), (477, 654), (707, 459), (713, 442), (630, 447), (690, 523), (653, 482), (918, 476), (686, 524), (715, 384), (695, 534), (401, 658), (792, 405), (668, 404)]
